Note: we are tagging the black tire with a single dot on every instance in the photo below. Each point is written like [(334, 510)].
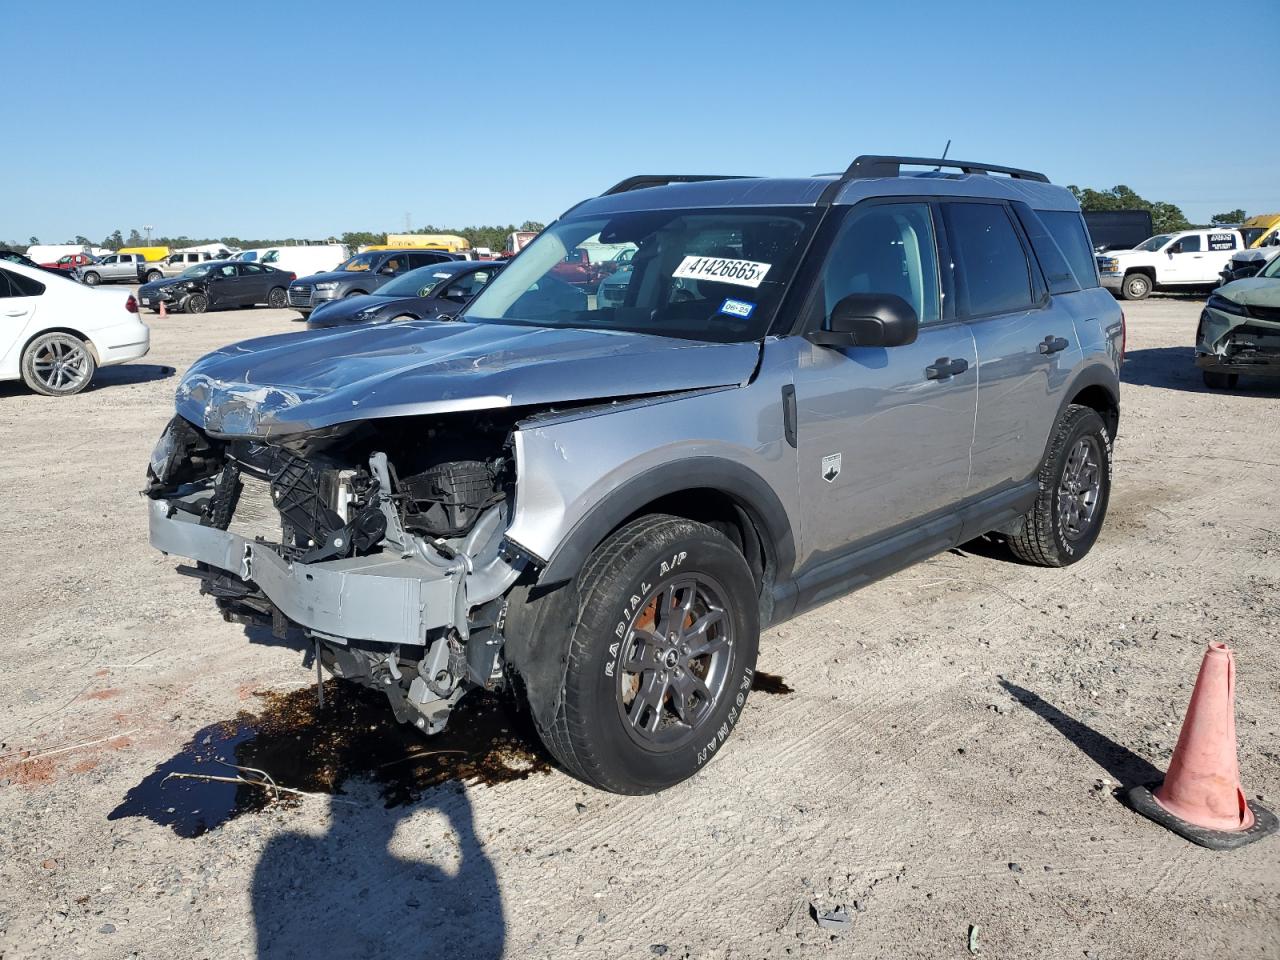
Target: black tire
[(277, 299), (195, 303), (1136, 286), (1216, 380), (597, 734), (91, 279), (1054, 532), (354, 293), (153, 276), (58, 364)]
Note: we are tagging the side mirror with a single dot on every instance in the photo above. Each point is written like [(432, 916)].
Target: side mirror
[(868, 320), (1174, 248)]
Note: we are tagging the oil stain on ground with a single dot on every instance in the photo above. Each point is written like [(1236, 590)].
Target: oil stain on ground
[(303, 747)]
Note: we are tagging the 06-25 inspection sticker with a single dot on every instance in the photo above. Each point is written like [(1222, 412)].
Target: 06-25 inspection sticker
[(744, 273)]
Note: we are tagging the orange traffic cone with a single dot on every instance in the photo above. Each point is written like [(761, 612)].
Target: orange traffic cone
[(1201, 798), (162, 310)]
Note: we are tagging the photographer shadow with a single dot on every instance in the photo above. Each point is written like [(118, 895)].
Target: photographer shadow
[(346, 894)]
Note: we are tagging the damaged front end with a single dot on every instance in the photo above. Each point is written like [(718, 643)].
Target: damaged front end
[(1235, 337), (382, 540)]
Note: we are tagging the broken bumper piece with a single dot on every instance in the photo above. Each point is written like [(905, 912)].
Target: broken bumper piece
[(383, 598)]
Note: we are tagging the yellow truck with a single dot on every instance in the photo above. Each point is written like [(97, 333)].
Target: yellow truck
[(148, 253), (1261, 231), (450, 243)]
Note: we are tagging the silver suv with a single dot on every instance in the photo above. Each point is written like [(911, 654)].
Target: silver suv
[(804, 385)]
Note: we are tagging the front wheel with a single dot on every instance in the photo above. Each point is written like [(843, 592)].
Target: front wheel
[(1075, 488), (661, 659), (277, 299), (91, 279), (153, 276), (196, 303), (1137, 286), (1216, 380)]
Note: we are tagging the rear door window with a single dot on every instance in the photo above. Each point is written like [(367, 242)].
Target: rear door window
[(1068, 231), (991, 269), (20, 286), (1189, 244)]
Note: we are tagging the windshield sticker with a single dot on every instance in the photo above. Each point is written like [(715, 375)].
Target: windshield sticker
[(738, 308), (743, 273)]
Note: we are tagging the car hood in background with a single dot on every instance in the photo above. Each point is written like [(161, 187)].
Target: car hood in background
[(296, 382), (1252, 291), (347, 307), (338, 275)]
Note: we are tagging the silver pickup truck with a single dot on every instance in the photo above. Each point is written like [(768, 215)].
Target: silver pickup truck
[(115, 268), (134, 268)]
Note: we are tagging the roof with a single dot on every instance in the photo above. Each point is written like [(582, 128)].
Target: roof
[(809, 191)]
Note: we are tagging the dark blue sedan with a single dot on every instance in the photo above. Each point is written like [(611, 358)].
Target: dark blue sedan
[(421, 294)]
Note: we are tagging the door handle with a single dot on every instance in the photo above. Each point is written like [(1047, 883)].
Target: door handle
[(14, 313), (1052, 344), (944, 368)]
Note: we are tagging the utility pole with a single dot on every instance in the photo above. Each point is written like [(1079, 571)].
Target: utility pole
[(408, 228), (148, 227)]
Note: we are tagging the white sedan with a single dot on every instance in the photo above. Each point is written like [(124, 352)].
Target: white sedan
[(55, 333)]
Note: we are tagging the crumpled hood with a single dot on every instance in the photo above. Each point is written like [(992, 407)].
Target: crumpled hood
[(1252, 291), (307, 381)]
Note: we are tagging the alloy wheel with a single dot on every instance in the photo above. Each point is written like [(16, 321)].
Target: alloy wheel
[(1080, 488), (62, 364), (675, 661)]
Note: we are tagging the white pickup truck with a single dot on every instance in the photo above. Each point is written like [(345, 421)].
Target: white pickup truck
[(1191, 258)]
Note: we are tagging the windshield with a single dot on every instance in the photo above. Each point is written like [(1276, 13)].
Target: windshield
[(199, 270), (415, 283), (1272, 269), (712, 274), (359, 263), (1154, 243)]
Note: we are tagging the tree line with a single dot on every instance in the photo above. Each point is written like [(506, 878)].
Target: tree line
[(1165, 217)]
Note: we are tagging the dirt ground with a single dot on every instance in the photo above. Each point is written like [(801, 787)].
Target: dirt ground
[(945, 760)]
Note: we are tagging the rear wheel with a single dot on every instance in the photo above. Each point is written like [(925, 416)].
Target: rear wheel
[(1216, 380), (196, 303), (57, 364), (277, 299), (1075, 488), (661, 659), (1136, 286)]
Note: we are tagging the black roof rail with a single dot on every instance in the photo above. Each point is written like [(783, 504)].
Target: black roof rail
[(661, 180), (873, 165)]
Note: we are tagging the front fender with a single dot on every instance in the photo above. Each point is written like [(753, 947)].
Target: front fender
[(580, 477)]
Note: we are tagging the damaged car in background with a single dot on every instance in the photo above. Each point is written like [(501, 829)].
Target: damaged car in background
[(1239, 331), (600, 502)]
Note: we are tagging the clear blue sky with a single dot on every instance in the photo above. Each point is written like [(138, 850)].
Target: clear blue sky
[(307, 119)]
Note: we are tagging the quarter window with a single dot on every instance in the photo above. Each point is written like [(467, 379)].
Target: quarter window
[(1222, 241), (1067, 229), (991, 269), (20, 286), (4, 286), (886, 248)]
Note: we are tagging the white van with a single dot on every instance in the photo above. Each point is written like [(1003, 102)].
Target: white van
[(304, 260)]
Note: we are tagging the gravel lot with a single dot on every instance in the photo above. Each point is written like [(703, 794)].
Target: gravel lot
[(945, 758)]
